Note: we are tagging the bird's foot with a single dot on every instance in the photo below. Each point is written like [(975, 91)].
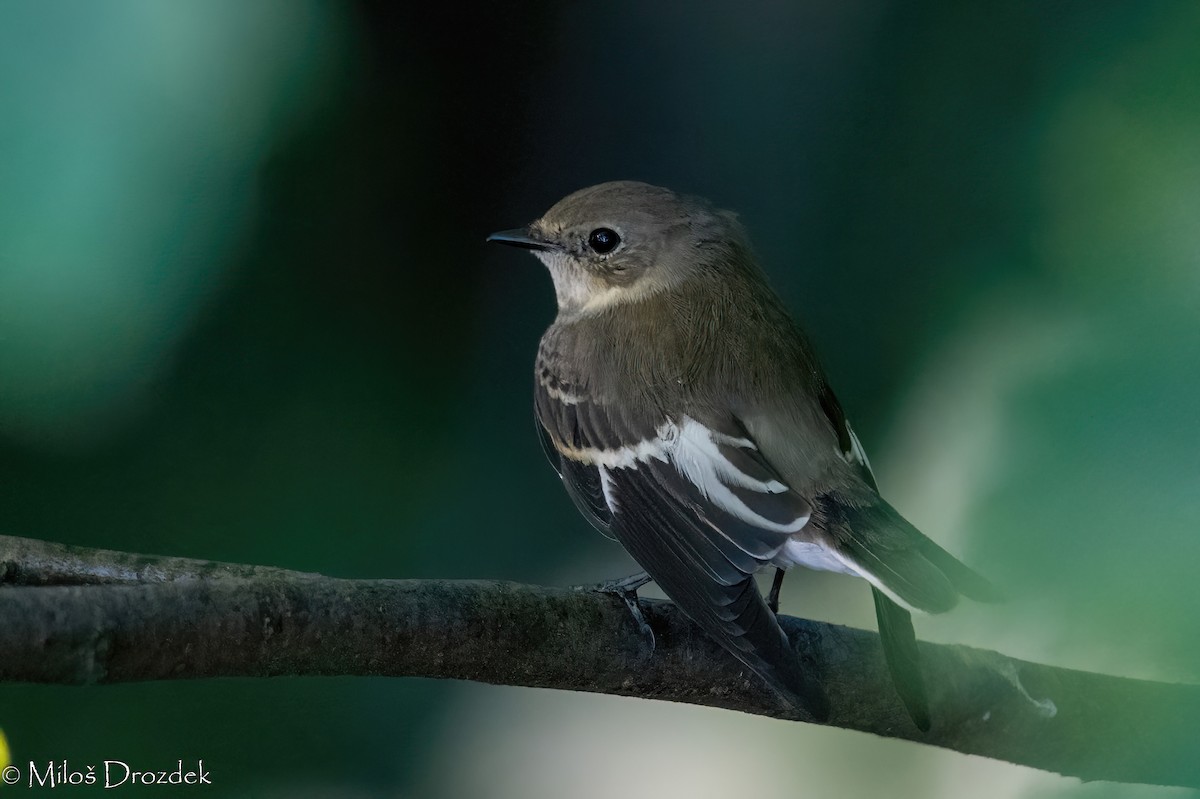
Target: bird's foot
[(625, 589), (621, 585)]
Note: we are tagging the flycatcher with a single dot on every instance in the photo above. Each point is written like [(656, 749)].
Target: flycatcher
[(689, 418)]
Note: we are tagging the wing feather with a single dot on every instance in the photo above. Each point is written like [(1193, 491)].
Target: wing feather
[(699, 508)]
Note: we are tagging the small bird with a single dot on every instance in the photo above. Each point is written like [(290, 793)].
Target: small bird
[(689, 418)]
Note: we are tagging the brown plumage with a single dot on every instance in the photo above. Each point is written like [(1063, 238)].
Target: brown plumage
[(689, 418)]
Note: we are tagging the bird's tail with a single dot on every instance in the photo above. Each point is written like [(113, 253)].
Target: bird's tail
[(898, 559), (965, 580), (900, 652), (905, 569)]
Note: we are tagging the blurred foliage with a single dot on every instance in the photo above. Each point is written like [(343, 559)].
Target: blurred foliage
[(246, 314)]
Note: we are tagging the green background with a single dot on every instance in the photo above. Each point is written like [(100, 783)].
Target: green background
[(246, 314)]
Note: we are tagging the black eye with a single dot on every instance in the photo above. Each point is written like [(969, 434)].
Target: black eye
[(603, 240)]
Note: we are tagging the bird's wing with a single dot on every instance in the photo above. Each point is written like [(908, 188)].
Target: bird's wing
[(848, 442), (698, 507), (582, 482)]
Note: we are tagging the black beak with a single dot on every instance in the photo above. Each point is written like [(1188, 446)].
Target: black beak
[(521, 237)]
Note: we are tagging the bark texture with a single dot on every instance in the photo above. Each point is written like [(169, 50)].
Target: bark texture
[(84, 616)]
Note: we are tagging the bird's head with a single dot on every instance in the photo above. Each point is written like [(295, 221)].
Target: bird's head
[(621, 242)]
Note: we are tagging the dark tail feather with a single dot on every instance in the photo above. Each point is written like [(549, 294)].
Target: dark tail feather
[(900, 652), (965, 580), (886, 545)]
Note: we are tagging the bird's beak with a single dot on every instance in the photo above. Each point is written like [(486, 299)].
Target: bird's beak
[(522, 237)]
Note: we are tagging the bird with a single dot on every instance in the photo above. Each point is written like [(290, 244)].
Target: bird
[(689, 418)]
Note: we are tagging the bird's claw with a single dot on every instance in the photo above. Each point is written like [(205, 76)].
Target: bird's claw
[(621, 585), (625, 589)]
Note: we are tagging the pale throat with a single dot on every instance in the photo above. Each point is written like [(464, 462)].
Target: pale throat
[(581, 294)]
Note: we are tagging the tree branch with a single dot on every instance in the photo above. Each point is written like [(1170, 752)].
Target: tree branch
[(76, 616)]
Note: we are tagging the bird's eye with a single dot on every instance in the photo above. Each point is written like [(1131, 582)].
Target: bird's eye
[(603, 240)]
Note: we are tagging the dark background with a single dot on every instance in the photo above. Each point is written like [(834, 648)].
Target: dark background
[(246, 314)]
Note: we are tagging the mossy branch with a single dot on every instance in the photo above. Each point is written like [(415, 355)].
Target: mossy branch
[(75, 616)]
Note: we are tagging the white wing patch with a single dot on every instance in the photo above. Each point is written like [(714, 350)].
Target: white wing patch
[(618, 458), (699, 460), (606, 486), (857, 453), (693, 450), (552, 389), (694, 453), (562, 396)]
